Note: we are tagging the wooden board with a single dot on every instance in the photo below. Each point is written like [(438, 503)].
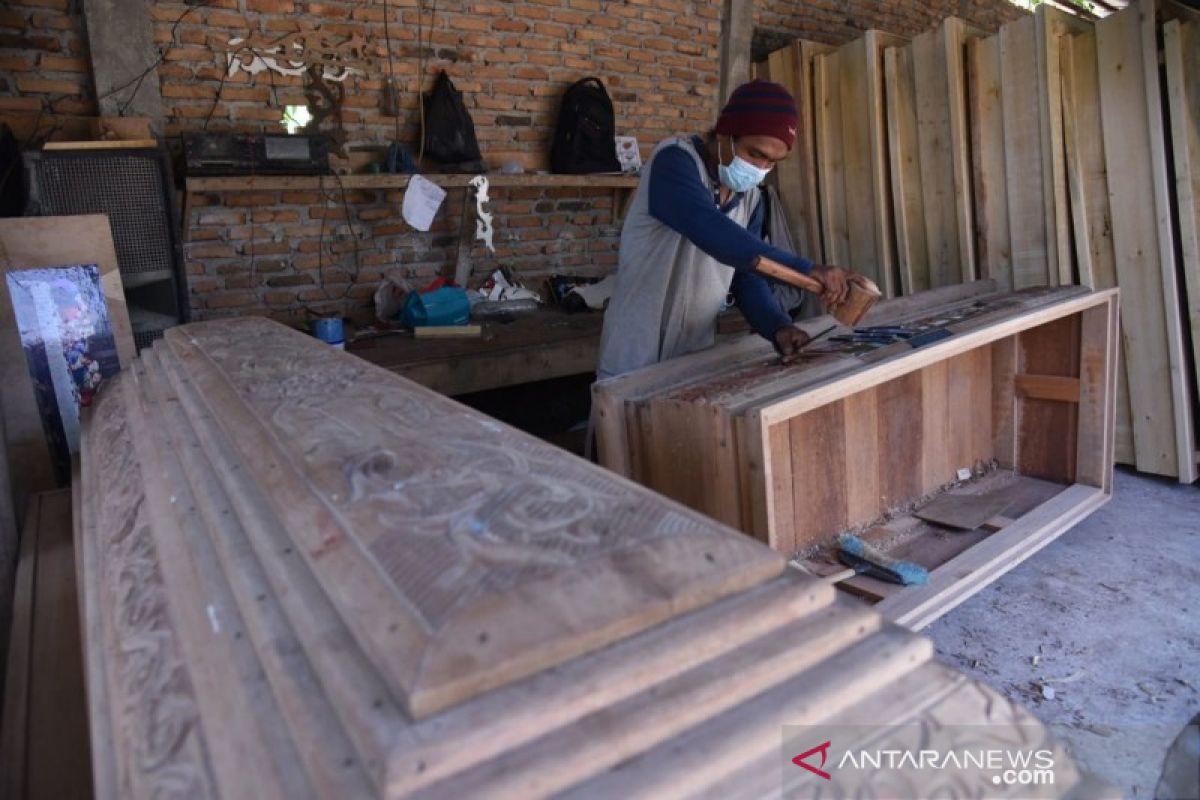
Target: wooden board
[(796, 175), (45, 720), (225, 495), (989, 174), (47, 242), (912, 252), (1134, 147), (830, 152), (939, 77), (1033, 253), (1052, 25), (1181, 54), (868, 179), (1087, 181)]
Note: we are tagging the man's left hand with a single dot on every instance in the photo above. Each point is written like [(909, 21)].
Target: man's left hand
[(790, 340)]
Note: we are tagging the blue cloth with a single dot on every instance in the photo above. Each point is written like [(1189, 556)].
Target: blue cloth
[(680, 200)]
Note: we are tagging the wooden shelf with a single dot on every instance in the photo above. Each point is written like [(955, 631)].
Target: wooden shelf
[(250, 183)]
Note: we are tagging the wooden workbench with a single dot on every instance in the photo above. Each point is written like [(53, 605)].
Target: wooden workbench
[(547, 344)]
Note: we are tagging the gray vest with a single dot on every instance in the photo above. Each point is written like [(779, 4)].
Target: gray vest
[(668, 292)]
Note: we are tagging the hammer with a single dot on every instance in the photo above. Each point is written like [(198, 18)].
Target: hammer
[(863, 291)]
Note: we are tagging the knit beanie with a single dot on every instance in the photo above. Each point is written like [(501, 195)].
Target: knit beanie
[(759, 108)]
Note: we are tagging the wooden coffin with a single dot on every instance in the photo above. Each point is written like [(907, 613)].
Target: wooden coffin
[(303, 576), (1019, 395)]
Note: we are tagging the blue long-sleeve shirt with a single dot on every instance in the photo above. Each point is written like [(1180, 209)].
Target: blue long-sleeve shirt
[(681, 200)]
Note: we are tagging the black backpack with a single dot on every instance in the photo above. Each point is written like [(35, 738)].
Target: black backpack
[(585, 139), (449, 131)]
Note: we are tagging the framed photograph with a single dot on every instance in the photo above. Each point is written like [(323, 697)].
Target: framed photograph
[(67, 337)]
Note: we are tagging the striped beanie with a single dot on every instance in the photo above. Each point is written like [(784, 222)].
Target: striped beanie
[(759, 108)]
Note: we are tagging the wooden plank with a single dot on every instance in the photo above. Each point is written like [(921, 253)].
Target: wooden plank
[(831, 180), (1033, 257), (103, 144), (912, 254), (901, 435), (961, 577), (782, 530), (841, 385), (1052, 24), (963, 512), (796, 175), (1051, 387), (1049, 427), (1087, 179), (935, 448), (447, 331), (938, 71), (1005, 413), (861, 415), (1097, 360), (864, 148), (30, 242), (1181, 53), (18, 677), (989, 175), (937, 179), (1160, 398), (867, 253), (955, 35), (737, 28), (819, 477), (59, 760), (268, 183)]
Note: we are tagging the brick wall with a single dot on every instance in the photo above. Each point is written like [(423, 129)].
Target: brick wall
[(293, 254), (659, 59), (44, 59), (838, 21)]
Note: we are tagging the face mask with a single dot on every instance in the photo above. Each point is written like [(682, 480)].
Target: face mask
[(739, 175)]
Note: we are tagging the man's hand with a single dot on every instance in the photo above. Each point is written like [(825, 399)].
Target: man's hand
[(836, 282), (790, 339)]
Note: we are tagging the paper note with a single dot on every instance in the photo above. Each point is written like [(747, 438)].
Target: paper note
[(422, 200)]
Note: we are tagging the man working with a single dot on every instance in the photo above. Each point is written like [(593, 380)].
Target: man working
[(693, 234)]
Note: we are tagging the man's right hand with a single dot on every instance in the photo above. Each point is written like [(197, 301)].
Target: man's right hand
[(836, 282)]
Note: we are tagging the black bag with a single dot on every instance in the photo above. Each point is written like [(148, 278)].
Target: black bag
[(449, 131), (585, 139)]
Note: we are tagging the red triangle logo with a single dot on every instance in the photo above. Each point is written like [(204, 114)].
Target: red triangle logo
[(823, 749)]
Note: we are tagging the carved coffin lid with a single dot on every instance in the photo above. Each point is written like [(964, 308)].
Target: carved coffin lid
[(462, 554)]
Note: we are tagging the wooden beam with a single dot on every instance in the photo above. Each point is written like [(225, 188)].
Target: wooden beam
[(1048, 387), (737, 29)]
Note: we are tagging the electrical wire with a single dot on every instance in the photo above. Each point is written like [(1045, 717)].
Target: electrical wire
[(162, 54), (421, 78), (391, 78)]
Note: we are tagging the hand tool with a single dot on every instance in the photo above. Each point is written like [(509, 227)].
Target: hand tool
[(849, 312)]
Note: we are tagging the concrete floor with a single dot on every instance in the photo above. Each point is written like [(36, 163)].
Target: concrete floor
[(1108, 619)]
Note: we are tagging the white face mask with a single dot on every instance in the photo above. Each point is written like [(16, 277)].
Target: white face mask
[(739, 175)]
